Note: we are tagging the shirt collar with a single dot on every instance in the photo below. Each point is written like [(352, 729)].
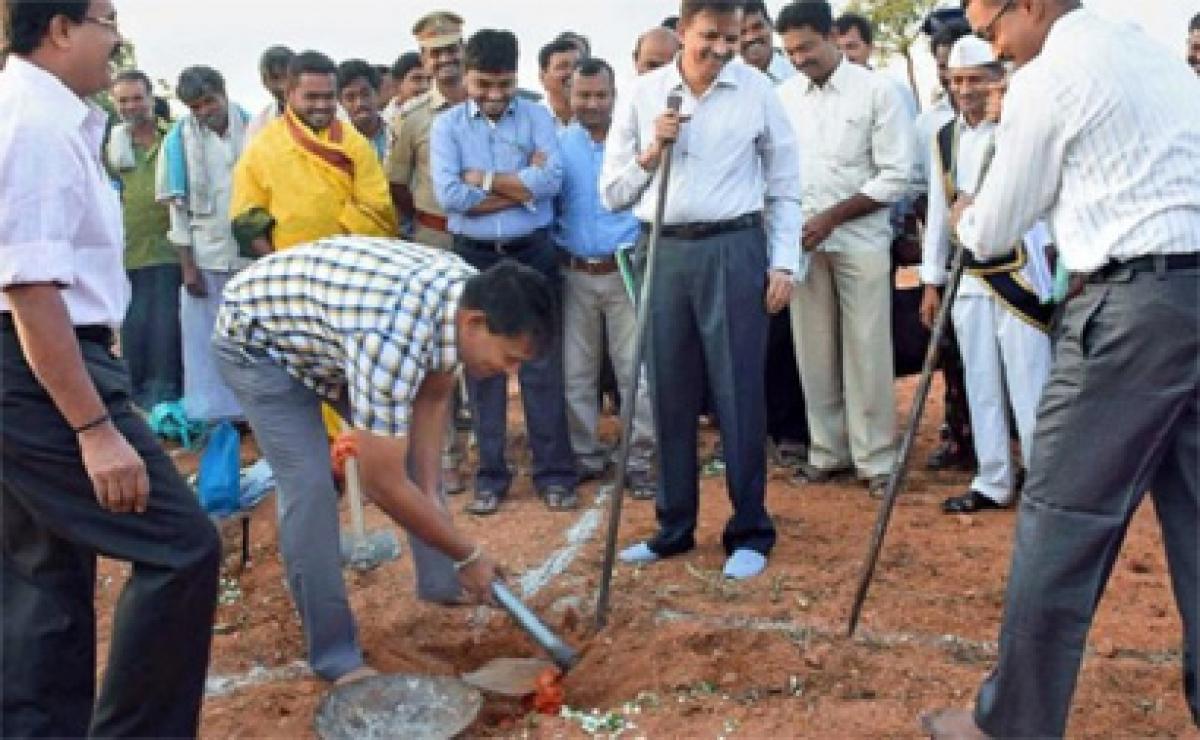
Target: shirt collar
[(838, 78), (727, 77), (474, 112), (438, 101)]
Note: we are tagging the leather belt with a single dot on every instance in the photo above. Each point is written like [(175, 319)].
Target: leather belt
[(432, 221), (706, 229), (501, 246), (588, 265), (94, 333), (1147, 263)]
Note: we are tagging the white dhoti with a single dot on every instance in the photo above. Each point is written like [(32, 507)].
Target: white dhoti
[(1006, 361), (205, 395)]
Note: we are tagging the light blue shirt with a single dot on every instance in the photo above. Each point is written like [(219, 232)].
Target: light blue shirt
[(584, 227), (462, 138)]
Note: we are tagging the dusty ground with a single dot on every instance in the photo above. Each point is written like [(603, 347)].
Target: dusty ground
[(686, 655)]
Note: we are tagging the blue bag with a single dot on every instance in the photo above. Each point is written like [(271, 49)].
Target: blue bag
[(219, 483)]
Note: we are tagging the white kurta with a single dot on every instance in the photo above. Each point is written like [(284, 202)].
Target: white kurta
[(1006, 360)]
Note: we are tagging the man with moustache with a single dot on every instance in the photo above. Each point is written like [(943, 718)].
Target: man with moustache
[(496, 169), (150, 332), (358, 93), (757, 48), (440, 37), (1002, 311), (307, 175), (596, 304), (655, 48), (81, 474), (195, 179), (556, 61), (858, 160), (730, 251), (855, 36), (1121, 411)]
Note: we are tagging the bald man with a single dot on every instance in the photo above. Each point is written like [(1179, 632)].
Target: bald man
[(655, 48)]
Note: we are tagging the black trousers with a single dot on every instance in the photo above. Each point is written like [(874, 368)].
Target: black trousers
[(708, 328), (787, 419), (53, 529), (150, 336)]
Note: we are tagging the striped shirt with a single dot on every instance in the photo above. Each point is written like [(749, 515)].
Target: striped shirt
[(369, 315), (1101, 136), (736, 154)]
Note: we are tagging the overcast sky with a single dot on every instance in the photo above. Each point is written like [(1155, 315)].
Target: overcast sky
[(230, 34)]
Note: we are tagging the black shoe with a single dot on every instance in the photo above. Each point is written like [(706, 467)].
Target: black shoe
[(970, 502), (949, 456)]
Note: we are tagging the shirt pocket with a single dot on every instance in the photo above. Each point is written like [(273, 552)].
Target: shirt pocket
[(854, 138)]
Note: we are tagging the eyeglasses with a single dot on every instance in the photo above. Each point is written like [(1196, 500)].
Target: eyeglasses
[(988, 32), (109, 23)]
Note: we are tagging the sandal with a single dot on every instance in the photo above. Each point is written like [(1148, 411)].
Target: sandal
[(485, 503), (806, 472)]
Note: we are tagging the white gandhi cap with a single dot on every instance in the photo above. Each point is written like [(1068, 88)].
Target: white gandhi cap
[(971, 51)]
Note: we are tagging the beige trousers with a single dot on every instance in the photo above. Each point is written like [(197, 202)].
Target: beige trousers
[(842, 329)]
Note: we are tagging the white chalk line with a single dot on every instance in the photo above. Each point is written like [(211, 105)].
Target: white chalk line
[(971, 649), (530, 582)]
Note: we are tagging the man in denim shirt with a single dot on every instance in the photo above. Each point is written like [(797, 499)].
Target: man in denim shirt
[(496, 169), (595, 302)]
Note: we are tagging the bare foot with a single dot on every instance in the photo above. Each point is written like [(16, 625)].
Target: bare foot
[(357, 674), (951, 724)]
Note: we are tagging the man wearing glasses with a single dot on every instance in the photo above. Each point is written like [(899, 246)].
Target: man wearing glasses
[(81, 474), (1120, 414)]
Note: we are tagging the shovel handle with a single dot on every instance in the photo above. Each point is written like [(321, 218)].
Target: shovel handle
[(354, 492), (563, 655)]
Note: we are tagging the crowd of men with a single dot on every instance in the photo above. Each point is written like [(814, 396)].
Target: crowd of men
[(379, 248)]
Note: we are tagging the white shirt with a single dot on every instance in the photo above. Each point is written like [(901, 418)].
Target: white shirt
[(211, 236), (856, 137), (971, 150), (736, 155), (1100, 135), (60, 217), (272, 111), (779, 69), (928, 124)]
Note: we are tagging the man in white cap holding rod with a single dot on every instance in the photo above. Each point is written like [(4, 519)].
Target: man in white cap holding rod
[(1108, 152), (1001, 317)]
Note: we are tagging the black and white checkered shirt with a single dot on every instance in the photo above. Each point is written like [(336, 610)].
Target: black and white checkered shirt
[(369, 315)]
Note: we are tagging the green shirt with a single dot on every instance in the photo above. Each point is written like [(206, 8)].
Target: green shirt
[(146, 221)]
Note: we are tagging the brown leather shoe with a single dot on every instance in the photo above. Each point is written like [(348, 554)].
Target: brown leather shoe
[(951, 724)]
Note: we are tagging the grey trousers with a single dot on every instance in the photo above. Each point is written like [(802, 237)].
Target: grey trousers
[(285, 416), (708, 327), (1120, 414), (595, 306)]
